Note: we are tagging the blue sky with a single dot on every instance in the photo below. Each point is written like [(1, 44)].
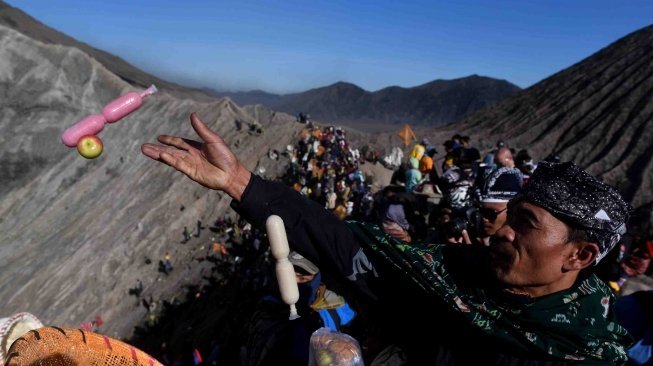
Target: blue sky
[(289, 46)]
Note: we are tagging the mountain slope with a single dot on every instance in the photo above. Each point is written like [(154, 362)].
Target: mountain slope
[(76, 232), (598, 113), (18, 20)]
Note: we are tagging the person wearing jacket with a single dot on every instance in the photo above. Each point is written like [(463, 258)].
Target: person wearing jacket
[(528, 299)]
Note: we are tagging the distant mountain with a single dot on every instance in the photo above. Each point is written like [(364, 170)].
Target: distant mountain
[(249, 97), (18, 20), (432, 104)]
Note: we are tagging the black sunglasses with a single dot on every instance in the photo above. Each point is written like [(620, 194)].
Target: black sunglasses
[(489, 213)]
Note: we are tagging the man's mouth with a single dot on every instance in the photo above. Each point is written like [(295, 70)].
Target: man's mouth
[(498, 251)]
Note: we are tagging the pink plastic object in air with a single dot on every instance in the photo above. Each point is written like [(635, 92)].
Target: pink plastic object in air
[(112, 112), (126, 104), (90, 125)]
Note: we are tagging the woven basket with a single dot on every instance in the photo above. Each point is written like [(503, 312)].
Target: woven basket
[(50, 346), (12, 328)]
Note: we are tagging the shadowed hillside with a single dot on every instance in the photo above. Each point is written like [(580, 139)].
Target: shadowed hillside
[(598, 113)]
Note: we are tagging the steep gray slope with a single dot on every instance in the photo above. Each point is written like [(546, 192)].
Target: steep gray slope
[(76, 232), (18, 20), (598, 113)]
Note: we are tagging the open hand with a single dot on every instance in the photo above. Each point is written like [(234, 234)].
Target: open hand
[(210, 163)]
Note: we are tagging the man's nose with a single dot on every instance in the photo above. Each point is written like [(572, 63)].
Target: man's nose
[(505, 233)]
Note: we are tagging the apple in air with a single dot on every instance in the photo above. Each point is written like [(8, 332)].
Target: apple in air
[(90, 146)]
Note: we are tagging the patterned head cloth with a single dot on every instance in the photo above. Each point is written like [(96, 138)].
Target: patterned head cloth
[(502, 185), (580, 200), (395, 213)]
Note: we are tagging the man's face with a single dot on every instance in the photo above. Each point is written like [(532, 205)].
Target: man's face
[(504, 158), (530, 249), (494, 216), (303, 277)]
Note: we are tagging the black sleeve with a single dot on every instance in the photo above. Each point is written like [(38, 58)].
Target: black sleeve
[(312, 231)]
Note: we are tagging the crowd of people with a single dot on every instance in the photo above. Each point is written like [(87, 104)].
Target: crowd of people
[(533, 254), (325, 168)]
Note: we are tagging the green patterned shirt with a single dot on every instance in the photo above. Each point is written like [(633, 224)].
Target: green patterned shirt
[(574, 324)]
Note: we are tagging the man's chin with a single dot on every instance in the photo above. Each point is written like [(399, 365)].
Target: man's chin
[(500, 262), (488, 230)]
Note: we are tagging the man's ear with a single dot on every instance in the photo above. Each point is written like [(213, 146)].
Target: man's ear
[(583, 256)]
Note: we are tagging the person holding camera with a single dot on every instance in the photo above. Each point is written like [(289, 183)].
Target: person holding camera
[(529, 298), (501, 186)]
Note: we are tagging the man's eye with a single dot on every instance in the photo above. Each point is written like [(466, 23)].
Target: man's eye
[(510, 214)]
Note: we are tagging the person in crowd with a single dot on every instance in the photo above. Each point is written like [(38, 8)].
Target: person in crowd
[(468, 151), (452, 155), (413, 175), (186, 234), (457, 141), (488, 159), (395, 223), (638, 259), (426, 164), (270, 338), (528, 299), (399, 175), (501, 186), (419, 149), (456, 185), (503, 158), (635, 313), (525, 164)]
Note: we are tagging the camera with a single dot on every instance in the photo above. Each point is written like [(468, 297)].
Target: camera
[(469, 219), (454, 227)]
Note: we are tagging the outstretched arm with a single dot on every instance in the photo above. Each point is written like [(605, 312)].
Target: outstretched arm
[(210, 163), (313, 231)]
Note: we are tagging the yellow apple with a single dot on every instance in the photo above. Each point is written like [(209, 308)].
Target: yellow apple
[(90, 146)]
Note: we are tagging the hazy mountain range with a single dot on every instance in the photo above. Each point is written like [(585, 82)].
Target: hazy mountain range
[(432, 104)]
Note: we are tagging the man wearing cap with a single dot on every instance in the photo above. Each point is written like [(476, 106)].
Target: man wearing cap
[(501, 186), (528, 299)]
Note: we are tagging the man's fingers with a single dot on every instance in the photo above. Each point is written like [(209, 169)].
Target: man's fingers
[(168, 155), (195, 144), (177, 162), (466, 238), (151, 151), (203, 130), (178, 142)]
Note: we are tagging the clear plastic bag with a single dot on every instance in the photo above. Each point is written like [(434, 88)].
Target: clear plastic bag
[(331, 348)]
